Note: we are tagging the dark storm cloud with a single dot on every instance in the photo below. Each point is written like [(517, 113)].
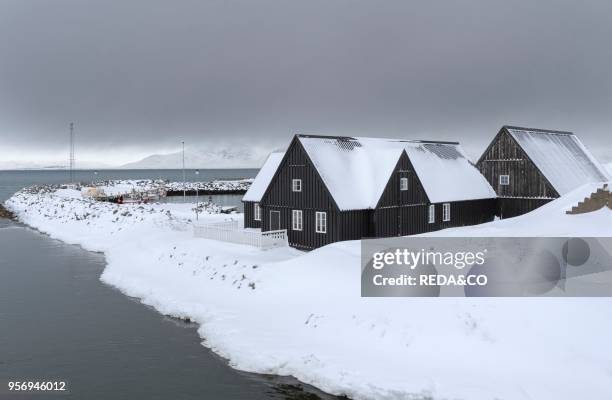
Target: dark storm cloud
[(140, 74)]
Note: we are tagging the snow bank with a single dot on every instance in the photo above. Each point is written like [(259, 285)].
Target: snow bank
[(291, 313)]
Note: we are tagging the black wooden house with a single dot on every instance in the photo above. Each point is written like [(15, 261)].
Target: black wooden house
[(327, 189), (530, 167)]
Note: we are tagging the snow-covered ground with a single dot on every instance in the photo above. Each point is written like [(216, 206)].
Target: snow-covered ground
[(291, 313)]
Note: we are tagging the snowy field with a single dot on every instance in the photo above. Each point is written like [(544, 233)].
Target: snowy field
[(291, 313)]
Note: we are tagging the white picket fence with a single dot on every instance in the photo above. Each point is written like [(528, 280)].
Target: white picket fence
[(232, 231)]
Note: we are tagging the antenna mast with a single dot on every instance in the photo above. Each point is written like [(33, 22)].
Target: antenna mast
[(71, 152), (184, 193)]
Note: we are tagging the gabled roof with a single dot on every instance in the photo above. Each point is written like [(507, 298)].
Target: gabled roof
[(263, 178), (446, 173), (560, 156), (357, 169)]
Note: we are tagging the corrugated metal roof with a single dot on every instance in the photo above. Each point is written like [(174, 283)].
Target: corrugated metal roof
[(356, 170), (561, 157)]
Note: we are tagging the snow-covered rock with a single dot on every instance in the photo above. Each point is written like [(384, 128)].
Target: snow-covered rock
[(286, 312)]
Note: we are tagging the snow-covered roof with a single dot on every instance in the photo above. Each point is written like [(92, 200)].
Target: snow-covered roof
[(356, 170), (561, 157), (446, 173), (263, 178)]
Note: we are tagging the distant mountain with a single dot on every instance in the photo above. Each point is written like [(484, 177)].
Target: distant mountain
[(23, 165), (230, 157)]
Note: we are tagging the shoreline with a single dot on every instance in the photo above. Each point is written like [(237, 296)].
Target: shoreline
[(334, 341)]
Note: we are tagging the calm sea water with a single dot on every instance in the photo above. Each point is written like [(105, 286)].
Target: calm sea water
[(58, 321)]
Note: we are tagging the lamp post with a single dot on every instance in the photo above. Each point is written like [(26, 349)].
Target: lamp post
[(197, 172)]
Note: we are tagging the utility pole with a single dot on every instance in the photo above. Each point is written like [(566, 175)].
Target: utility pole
[(71, 159), (197, 172), (184, 193)]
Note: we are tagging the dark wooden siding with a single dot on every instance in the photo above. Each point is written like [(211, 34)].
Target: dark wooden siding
[(505, 157), (528, 187), (297, 165), (512, 207), (414, 219), (393, 196), (402, 213), (249, 215), (398, 209), (345, 225)]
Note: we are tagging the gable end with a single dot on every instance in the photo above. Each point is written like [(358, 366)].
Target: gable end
[(505, 156), (296, 164)]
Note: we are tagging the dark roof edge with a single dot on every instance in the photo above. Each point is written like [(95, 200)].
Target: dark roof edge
[(369, 137), (427, 141), (325, 137), (538, 130)]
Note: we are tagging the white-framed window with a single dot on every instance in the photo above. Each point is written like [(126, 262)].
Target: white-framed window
[(296, 185), (321, 222), (256, 212), (432, 214), (296, 220), (504, 180), (403, 183), (446, 212)]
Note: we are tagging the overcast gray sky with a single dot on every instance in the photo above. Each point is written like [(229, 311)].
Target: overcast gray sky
[(139, 76)]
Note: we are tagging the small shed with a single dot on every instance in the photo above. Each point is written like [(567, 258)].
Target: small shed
[(530, 167)]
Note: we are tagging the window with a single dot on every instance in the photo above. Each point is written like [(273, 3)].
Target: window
[(256, 212), (403, 183), (321, 222), (504, 180), (296, 220), (432, 214), (296, 185), (446, 212)]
